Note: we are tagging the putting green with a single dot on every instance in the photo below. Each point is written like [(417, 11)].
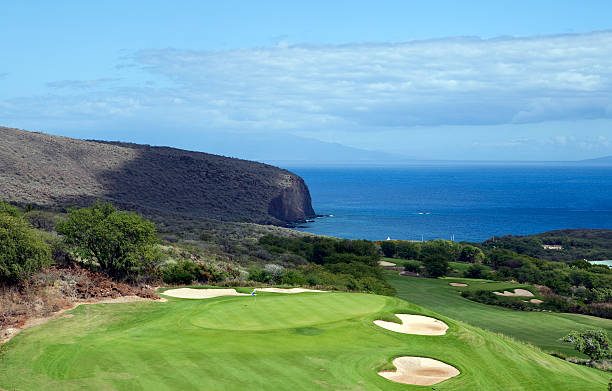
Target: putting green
[(299, 342)]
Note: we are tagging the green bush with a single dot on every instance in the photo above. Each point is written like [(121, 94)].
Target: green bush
[(593, 343), (186, 272), (388, 248), (412, 266), (436, 265), (8, 209), (476, 271), (22, 251), (293, 277), (407, 250), (41, 219), (259, 275), (122, 243)]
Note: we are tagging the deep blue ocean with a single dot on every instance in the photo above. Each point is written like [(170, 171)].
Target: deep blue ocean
[(471, 202)]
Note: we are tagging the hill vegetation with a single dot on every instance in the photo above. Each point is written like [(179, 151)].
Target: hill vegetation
[(55, 171), (564, 245), (578, 286)]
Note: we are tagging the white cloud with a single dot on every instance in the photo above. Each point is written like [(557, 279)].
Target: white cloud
[(365, 87), (82, 84), (462, 81)]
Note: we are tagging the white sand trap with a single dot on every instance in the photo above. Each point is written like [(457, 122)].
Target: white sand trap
[(386, 264), (419, 371), (517, 292), (415, 324), (457, 284), (290, 290), (190, 293), (536, 301)]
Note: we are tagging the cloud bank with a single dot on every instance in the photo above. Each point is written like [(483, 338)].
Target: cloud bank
[(460, 81), (359, 87)]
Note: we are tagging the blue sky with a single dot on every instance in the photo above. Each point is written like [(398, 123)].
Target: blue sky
[(474, 80)]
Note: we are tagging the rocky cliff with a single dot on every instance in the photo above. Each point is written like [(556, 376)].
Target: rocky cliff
[(48, 170)]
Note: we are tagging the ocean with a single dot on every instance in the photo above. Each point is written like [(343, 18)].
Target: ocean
[(464, 202)]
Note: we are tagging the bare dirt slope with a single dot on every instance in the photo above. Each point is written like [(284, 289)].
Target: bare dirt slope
[(49, 170)]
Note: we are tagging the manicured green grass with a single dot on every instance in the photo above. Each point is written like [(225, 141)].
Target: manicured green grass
[(542, 329), (461, 267), (278, 342)]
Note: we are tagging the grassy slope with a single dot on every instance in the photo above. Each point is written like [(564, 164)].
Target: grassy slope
[(279, 342), (542, 329)]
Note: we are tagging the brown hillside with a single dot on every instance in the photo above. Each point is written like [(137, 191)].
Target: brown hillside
[(48, 170)]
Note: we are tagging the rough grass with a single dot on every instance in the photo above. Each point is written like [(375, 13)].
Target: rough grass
[(274, 342), (541, 329)]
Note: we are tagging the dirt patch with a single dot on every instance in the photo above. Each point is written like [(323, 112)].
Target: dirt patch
[(536, 301), (457, 284), (517, 293), (386, 264), (57, 289), (420, 371), (290, 290), (415, 324)]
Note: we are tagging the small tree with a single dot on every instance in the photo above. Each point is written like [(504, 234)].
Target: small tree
[(22, 251), (471, 254), (7, 209), (122, 243), (593, 343), (388, 248), (407, 250), (475, 271), (436, 265)]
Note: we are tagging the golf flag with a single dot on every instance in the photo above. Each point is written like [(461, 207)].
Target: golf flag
[(253, 293)]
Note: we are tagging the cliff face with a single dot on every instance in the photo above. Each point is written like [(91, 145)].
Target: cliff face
[(58, 171), (293, 203)]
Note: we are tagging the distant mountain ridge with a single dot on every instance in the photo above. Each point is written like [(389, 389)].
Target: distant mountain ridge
[(601, 160), (48, 170)]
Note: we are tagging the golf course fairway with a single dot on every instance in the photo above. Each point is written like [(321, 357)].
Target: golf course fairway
[(305, 341), (542, 329)]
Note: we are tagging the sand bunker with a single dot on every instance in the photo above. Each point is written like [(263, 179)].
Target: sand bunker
[(517, 292), (190, 293), (536, 301), (386, 264), (419, 371), (290, 290), (457, 284), (415, 324)]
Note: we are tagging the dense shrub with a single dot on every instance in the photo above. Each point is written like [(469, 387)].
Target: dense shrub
[(187, 272), (593, 343), (293, 277), (388, 248), (22, 251), (8, 209), (471, 254), (340, 264), (476, 271), (259, 275), (121, 243), (412, 266), (41, 219), (436, 265), (408, 250)]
